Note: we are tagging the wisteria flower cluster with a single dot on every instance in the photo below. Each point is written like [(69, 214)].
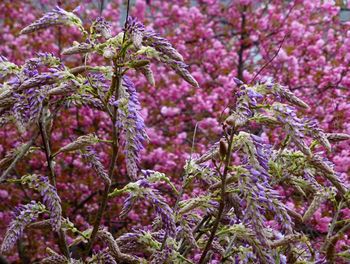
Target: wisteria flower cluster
[(240, 213)]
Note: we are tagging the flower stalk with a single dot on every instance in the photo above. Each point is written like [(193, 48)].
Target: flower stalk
[(222, 197)]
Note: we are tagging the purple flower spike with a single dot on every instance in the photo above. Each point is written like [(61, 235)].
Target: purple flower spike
[(102, 27), (50, 197), (91, 156), (167, 53), (24, 215), (56, 17), (132, 124), (237, 81)]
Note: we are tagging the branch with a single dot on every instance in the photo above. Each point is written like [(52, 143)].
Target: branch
[(268, 63), (242, 47), (115, 81), (331, 243), (115, 84), (222, 200), (46, 141)]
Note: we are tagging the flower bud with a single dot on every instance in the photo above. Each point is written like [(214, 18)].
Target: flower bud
[(337, 137), (237, 81), (230, 121), (223, 149), (109, 53)]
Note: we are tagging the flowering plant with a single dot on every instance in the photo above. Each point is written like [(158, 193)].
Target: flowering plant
[(238, 216)]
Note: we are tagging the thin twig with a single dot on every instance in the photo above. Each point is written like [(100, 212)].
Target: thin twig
[(182, 249), (332, 226), (222, 198), (332, 241), (102, 4), (242, 48), (59, 35), (268, 63)]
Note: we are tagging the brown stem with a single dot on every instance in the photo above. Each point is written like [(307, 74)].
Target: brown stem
[(240, 67), (222, 198), (46, 141), (115, 82), (82, 68), (47, 148), (59, 34), (332, 242), (81, 204), (22, 253), (102, 5), (184, 249), (286, 240)]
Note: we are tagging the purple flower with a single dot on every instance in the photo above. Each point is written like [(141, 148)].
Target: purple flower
[(41, 59), (56, 17), (24, 215), (55, 259), (313, 130), (181, 69), (101, 27), (257, 189), (139, 34), (104, 257), (114, 250), (27, 107), (7, 67), (237, 81), (91, 156), (293, 125), (136, 31), (130, 242), (285, 93), (186, 231), (132, 124), (162, 256), (128, 205), (253, 96), (88, 100), (46, 78), (50, 197), (147, 72), (163, 210), (246, 97), (161, 45), (143, 189), (263, 152)]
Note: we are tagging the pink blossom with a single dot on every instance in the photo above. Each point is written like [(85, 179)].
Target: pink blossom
[(169, 111)]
